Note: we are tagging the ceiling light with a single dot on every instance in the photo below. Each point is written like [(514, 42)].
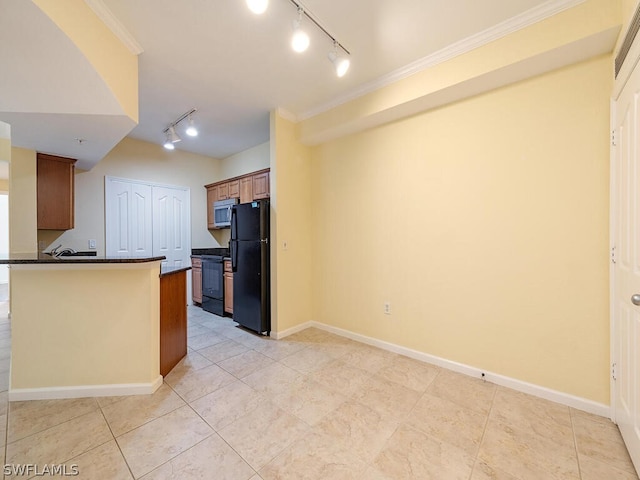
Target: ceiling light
[(258, 6), (340, 63), (168, 144), (300, 40), (170, 134), (173, 136), (191, 130)]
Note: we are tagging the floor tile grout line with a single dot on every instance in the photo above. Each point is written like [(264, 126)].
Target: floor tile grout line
[(484, 430), (116, 441), (575, 442)]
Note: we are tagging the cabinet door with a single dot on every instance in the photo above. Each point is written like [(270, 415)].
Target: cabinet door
[(223, 191), (246, 189), (196, 279), (55, 187), (234, 189), (228, 292), (212, 196), (261, 186)]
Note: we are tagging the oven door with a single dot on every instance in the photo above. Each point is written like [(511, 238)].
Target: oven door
[(212, 271)]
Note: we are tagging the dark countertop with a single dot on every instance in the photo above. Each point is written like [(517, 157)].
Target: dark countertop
[(164, 271), (210, 251), (48, 259)]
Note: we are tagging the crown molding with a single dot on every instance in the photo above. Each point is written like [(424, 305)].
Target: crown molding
[(119, 30), (530, 17), (287, 115)]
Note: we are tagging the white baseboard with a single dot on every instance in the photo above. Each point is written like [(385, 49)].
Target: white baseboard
[(515, 384), (49, 393), (292, 330)]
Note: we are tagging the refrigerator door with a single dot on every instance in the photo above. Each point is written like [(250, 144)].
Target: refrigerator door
[(246, 221), (251, 302)]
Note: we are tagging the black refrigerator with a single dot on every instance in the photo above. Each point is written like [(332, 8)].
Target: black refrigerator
[(249, 249)]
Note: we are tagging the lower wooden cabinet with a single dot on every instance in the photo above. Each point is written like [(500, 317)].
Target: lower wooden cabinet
[(173, 320), (228, 287), (196, 279)]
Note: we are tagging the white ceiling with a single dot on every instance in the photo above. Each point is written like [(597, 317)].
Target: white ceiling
[(232, 65)]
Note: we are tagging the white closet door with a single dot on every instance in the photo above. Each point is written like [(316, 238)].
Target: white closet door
[(172, 225), (128, 217)]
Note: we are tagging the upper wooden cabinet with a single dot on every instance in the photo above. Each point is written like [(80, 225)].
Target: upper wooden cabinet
[(261, 185), (55, 179), (246, 188), (234, 189), (212, 196)]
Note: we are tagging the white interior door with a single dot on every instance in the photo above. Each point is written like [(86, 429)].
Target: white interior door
[(171, 225), (128, 218), (4, 235), (626, 269)]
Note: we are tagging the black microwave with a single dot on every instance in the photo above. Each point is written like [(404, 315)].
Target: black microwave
[(222, 212)]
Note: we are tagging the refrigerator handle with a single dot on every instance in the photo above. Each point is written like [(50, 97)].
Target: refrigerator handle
[(234, 255), (234, 223)]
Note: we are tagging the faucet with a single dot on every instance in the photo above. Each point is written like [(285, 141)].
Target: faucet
[(54, 251), (64, 252)]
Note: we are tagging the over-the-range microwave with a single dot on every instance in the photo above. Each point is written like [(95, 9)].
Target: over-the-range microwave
[(222, 212)]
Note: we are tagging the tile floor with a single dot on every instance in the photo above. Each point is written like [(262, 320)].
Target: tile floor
[(311, 406)]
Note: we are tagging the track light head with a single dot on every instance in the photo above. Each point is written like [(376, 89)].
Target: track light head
[(191, 130), (173, 136), (300, 39), (258, 6), (340, 63), (168, 144)]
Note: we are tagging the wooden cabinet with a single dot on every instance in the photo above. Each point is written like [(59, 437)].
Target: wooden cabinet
[(234, 189), (196, 279), (247, 188), (228, 287), (261, 186), (223, 191), (173, 320), (55, 187), (212, 196)]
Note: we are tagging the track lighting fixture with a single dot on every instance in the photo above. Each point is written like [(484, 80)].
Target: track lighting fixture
[(191, 130), (170, 134), (258, 6), (168, 144), (300, 40), (341, 64)]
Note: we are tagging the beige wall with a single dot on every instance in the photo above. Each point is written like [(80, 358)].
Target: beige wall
[(247, 161), (485, 224), (143, 161), (23, 217), (4, 185), (72, 336), (112, 60), (291, 223)]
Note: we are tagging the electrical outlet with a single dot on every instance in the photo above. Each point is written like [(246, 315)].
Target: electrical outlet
[(387, 308), (92, 244)]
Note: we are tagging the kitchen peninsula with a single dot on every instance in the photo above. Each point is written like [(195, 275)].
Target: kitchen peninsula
[(89, 326)]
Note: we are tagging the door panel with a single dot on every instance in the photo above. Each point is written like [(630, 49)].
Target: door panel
[(127, 219), (626, 269), (171, 231)]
